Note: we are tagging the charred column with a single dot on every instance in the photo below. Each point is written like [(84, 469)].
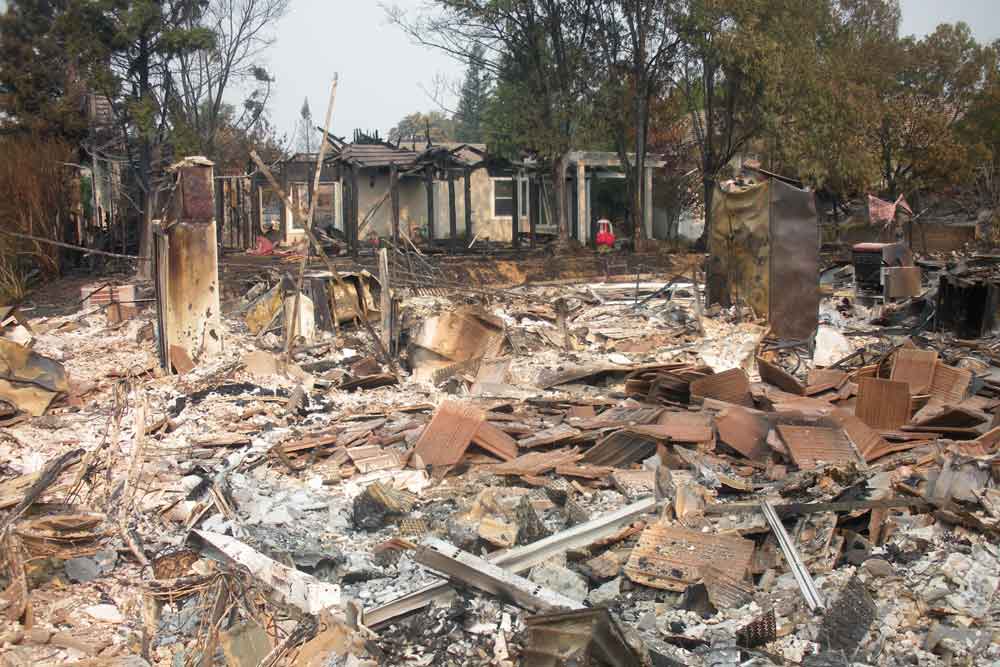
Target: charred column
[(429, 182), (516, 213), (534, 207), (468, 205), (452, 212), (187, 270), (394, 195), (352, 235)]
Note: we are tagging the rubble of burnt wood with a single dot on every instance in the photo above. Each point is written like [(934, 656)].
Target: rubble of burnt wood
[(584, 474)]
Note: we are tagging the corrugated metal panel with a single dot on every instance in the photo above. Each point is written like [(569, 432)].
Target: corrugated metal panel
[(495, 441), (950, 384), (732, 386), (449, 433), (811, 445), (915, 368), (883, 404), (745, 431), (670, 558), (622, 448), (793, 309)]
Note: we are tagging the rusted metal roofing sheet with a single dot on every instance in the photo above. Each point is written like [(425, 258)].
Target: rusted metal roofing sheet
[(883, 404), (724, 591), (825, 379), (622, 448), (376, 155), (774, 374), (915, 368), (680, 427), (867, 441), (732, 386), (495, 441), (449, 433), (812, 445), (584, 471), (745, 431), (621, 415), (949, 384), (670, 558), (550, 436), (533, 464)]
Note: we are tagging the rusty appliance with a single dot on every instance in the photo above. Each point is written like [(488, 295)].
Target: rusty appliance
[(764, 252), (870, 261)]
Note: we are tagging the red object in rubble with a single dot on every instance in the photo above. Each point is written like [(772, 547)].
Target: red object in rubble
[(264, 247), (605, 236)]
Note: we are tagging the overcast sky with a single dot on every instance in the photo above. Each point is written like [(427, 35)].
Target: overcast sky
[(382, 71)]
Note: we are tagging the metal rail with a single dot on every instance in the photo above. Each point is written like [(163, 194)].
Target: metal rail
[(520, 559), (795, 564)]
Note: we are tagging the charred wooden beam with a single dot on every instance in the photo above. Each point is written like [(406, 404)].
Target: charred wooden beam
[(394, 194), (468, 205), (452, 211), (534, 208), (429, 182), (352, 236), (515, 216)]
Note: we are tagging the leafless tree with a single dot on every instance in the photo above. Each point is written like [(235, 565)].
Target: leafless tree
[(202, 80)]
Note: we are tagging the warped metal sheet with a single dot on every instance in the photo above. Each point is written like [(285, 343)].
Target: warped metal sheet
[(679, 427), (724, 591), (773, 374), (495, 441), (883, 404), (950, 384), (670, 558), (732, 386), (739, 246), (915, 368), (745, 431), (811, 445), (449, 433), (533, 464), (793, 310), (623, 447)]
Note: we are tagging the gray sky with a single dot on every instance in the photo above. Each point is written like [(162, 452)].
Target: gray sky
[(922, 16), (382, 70)]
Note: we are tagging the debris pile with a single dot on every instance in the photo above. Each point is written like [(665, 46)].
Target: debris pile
[(590, 474)]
